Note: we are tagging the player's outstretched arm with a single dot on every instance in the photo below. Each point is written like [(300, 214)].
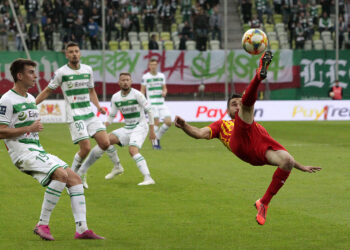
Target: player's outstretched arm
[(309, 169), (43, 95), (7, 133), (197, 133)]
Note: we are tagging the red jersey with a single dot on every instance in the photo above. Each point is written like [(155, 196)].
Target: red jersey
[(249, 142)]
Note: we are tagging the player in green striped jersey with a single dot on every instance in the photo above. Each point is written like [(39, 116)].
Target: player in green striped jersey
[(132, 104), (77, 84), (153, 84), (20, 126)]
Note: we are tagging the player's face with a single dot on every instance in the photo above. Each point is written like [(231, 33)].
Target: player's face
[(153, 67), (73, 54), (234, 106), (28, 76), (125, 83)]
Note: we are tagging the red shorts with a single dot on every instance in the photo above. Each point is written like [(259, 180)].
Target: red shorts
[(250, 142)]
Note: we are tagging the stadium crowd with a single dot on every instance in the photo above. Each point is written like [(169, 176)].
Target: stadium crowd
[(49, 24), (306, 24)]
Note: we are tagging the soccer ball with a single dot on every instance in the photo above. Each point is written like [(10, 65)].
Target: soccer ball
[(254, 41)]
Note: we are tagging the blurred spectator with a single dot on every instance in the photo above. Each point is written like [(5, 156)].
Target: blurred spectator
[(186, 10), (81, 16), (96, 16), (78, 32), (87, 11), (255, 22), (19, 45), (43, 19), (115, 4), (278, 6), (111, 20), (152, 44), (342, 30), (200, 26), (92, 30), (262, 8), (325, 23), (246, 9), (314, 12), (299, 36), (149, 12), (187, 31), (306, 25), (326, 6), (134, 12), (3, 34), (183, 40), (215, 22), (31, 7), (48, 33), (47, 5), (34, 35), (125, 23), (336, 91), (167, 14)]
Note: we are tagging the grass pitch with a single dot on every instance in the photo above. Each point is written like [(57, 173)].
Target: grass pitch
[(203, 197)]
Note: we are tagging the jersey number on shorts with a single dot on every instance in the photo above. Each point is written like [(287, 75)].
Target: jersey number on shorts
[(42, 157), (79, 125)]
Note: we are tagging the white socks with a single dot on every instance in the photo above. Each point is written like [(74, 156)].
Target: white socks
[(51, 197), (94, 155), (77, 161), (77, 199), (112, 154), (141, 164), (160, 132)]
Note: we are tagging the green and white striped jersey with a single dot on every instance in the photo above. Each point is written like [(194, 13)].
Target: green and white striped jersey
[(132, 106), (17, 111), (154, 86), (75, 85)]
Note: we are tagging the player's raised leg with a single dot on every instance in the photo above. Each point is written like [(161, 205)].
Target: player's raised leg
[(246, 113), (77, 197), (51, 197), (285, 163)]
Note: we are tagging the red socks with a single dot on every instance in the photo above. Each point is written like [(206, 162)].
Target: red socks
[(251, 93), (278, 179)]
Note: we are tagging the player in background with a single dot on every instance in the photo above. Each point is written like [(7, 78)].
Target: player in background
[(20, 126), (77, 83), (132, 104), (153, 85), (249, 140)]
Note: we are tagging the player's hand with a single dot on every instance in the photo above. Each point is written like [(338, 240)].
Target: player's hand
[(179, 122), (164, 93), (152, 135), (37, 126), (102, 110), (311, 169)]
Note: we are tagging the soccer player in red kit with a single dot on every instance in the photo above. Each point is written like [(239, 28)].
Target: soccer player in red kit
[(249, 140)]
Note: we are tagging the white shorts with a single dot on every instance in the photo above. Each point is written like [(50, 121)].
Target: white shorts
[(160, 111), (132, 137), (83, 129), (40, 165)]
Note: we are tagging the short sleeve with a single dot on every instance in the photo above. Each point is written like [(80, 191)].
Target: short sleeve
[(6, 111), (56, 80), (215, 129), (91, 81)]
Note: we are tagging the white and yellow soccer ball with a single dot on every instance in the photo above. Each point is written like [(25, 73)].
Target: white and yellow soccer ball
[(254, 41)]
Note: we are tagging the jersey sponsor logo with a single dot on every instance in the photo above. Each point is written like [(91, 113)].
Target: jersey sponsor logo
[(22, 116), (70, 85), (33, 114), (2, 110)]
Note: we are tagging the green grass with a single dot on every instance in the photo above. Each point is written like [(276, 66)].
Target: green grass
[(203, 198)]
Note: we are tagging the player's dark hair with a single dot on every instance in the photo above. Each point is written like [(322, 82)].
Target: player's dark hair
[(124, 74), (153, 60), (233, 96), (71, 44), (18, 65)]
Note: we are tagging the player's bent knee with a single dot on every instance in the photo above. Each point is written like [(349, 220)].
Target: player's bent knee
[(60, 174), (133, 150), (104, 145), (73, 179)]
